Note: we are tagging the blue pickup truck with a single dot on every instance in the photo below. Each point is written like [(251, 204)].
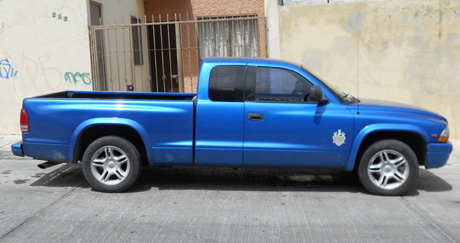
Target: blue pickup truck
[(248, 112)]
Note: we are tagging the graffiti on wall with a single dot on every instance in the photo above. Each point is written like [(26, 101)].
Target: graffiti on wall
[(77, 77), (37, 72), (6, 71), (33, 71)]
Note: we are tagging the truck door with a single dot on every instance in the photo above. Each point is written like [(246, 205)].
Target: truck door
[(282, 129), (219, 116)]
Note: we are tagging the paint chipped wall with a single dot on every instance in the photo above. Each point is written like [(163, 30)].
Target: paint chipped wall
[(405, 51), (297, 2)]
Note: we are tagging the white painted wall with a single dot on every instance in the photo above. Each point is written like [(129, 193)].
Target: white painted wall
[(40, 49), (41, 54)]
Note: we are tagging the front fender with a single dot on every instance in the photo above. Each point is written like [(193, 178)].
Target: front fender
[(110, 121), (382, 127)]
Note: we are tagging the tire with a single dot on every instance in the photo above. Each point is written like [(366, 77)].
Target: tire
[(111, 164), (388, 167)]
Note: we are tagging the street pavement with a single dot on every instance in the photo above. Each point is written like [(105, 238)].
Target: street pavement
[(185, 204)]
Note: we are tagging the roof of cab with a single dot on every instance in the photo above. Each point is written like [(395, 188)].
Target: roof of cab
[(253, 60)]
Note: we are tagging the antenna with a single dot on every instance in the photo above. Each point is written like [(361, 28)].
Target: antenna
[(357, 74)]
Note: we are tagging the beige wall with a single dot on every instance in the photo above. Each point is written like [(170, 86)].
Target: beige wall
[(46, 53), (405, 51)]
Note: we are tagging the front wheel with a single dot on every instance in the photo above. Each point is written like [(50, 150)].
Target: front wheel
[(111, 164), (388, 167)]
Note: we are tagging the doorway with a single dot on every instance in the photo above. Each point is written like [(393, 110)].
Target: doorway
[(96, 19), (162, 49)]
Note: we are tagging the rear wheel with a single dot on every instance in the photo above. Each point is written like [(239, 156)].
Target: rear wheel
[(388, 167), (111, 164)]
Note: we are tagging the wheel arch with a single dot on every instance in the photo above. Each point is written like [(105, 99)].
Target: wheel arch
[(93, 129), (414, 136)]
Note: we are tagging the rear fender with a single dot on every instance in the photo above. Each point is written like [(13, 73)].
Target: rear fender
[(110, 121)]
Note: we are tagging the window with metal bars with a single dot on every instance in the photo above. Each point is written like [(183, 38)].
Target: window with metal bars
[(230, 36)]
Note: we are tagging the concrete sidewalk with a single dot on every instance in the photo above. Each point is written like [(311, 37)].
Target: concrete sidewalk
[(7, 140), (5, 145)]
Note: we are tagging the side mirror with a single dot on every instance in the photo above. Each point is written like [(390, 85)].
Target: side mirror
[(316, 95)]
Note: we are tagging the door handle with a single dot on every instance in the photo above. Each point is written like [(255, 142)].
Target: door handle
[(255, 116)]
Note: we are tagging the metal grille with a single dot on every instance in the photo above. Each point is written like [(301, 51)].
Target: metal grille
[(165, 55)]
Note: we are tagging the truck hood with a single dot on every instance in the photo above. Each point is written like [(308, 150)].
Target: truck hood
[(397, 108)]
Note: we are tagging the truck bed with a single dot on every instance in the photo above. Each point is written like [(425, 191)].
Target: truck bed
[(119, 95), (163, 120)]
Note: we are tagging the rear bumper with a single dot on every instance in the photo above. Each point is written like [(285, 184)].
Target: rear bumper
[(17, 149), (437, 154)]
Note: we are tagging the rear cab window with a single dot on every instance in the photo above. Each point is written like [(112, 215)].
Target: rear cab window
[(226, 83)]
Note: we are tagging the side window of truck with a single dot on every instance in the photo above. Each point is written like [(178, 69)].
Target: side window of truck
[(226, 83), (280, 85)]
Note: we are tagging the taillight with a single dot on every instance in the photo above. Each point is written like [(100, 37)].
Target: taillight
[(24, 121)]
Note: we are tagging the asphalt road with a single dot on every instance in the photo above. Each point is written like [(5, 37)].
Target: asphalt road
[(224, 205)]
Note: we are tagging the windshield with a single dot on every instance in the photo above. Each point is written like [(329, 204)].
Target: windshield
[(342, 96)]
